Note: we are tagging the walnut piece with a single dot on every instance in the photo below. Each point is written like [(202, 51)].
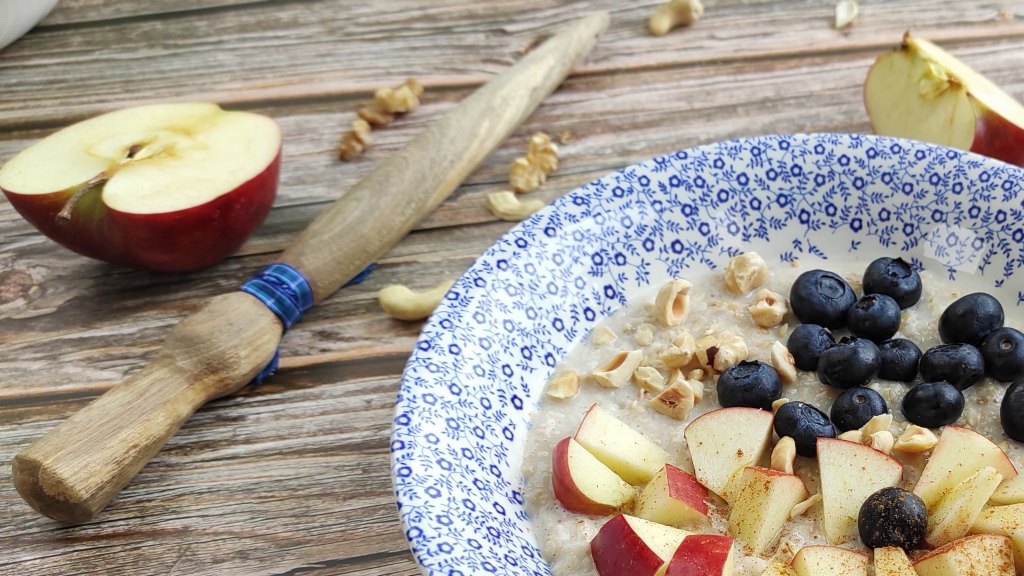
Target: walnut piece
[(564, 385), (402, 99), (745, 272), (354, 142), (768, 308), (524, 176), (531, 171)]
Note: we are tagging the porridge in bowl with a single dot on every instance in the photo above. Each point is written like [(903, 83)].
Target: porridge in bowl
[(695, 428)]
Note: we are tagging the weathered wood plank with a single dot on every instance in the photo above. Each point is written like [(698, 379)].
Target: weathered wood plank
[(344, 49), (96, 12)]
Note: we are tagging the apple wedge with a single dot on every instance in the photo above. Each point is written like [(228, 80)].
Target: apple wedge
[(1010, 491), (630, 454), (922, 92), (960, 453), (850, 472), (956, 512), (701, 555), (724, 442), (1005, 521), (631, 545), (829, 561), (164, 187), (983, 555), (584, 485), (892, 561), (674, 498), (762, 506)]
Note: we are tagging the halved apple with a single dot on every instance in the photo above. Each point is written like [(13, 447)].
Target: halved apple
[(762, 505), (952, 518), (892, 561), (673, 497), (959, 454), (701, 555), (724, 442), (922, 92), (850, 472), (986, 555), (630, 454), (584, 485), (1004, 521), (634, 546), (1010, 491), (829, 561), (164, 187)]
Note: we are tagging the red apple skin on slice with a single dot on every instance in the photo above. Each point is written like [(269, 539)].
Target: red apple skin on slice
[(983, 555), (701, 555), (626, 545), (673, 497), (582, 484)]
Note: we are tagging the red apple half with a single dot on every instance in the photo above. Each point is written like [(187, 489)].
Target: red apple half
[(922, 92), (165, 187)]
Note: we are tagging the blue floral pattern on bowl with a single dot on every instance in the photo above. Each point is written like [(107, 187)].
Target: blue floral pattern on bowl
[(484, 356)]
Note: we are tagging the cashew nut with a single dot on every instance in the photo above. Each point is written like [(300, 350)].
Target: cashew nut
[(673, 14), (876, 424), (619, 369), (768, 309), (506, 206), (745, 272), (846, 13), (882, 441), (564, 385), (603, 335), (673, 302), (916, 439), (783, 455), (676, 401), (649, 379), (402, 303), (801, 508), (783, 362)]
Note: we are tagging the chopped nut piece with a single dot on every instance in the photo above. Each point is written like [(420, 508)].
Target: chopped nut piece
[(851, 436), (801, 508), (882, 441), (375, 116), (916, 439), (783, 362), (696, 374), (603, 335), (506, 206), (783, 330), (673, 14), (784, 454), (404, 98), (649, 379), (644, 334), (745, 272), (721, 351), (768, 309), (524, 176), (676, 401), (681, 353), (617, 372), (543, 153), (350, 146), (684, 340), (876, 424), (564, 385), (778, 404), (698, 390), (846, 12), (673, 302)]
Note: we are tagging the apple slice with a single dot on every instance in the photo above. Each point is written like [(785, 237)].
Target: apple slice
[(631, 545), (583, 484), (892, 561), (762, 507), (630, 454), (701, 555), (850, 472), (1010, 491), (922, 92), (959, 454), (674, 498), (164, 187), (724, 442), (1004, 521), (829, 561), (953, 516), (986, 555)]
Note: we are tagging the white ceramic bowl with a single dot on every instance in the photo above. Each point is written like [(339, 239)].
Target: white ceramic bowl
[(19, 16), (484, 357)]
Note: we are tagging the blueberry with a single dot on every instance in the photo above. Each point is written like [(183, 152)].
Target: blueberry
[(959, 364), (893, 517), (900, 358), (806, 343), (1003, 351), (933, 404), (895, 278), (855, 406), (821, 297), (804, 424), (970, 319), (851, 362), (1011, 413), (875, 317), (752, 384)]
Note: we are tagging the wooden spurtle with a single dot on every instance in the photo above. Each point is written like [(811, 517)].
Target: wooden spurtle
[(72, 472)]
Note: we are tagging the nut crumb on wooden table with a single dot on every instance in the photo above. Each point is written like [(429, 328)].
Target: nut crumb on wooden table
[(293, 477)]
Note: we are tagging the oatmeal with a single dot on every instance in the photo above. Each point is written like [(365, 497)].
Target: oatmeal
[(684, 335)]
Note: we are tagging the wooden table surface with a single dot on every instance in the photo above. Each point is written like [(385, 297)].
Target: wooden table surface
[(293, 477)]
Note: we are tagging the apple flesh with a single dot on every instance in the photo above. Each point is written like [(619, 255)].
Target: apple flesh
[(850, 472), (1004, 521), (972, 556), (1010, 491), (630, 454), (960, 453), (701, 555), (762, 507), (922, 92), (634, 546), (956, 512), (829, 561), (584, 485), (165, 187), (892, 561), (723, 442), (673, 497), (778, 567)]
